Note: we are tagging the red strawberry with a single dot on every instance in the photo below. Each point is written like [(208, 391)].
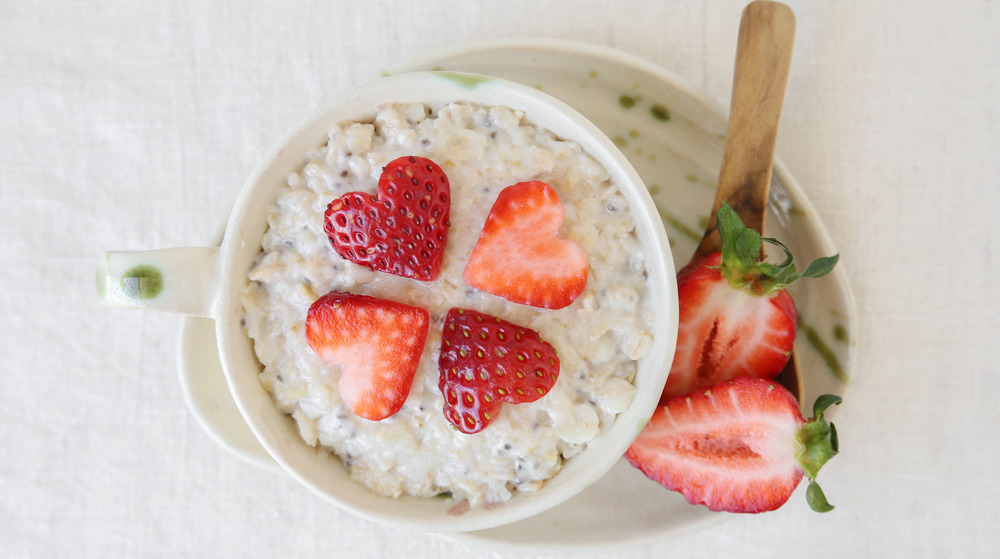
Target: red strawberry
[(485, 361), (739, 446), (376, 342), (736, 319), (518, 255), (401, 230)]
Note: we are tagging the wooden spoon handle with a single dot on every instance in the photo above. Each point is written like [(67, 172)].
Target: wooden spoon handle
[(763, 57)]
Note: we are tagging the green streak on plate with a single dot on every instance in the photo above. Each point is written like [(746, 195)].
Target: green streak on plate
[(829, 357), (679, 225)]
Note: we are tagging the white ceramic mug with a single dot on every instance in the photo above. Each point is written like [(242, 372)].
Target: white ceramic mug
[(207, 281)]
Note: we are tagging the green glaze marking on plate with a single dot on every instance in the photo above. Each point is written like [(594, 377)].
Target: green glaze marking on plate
[(620, 141), (680, 226), (824, 351), (142, 282), (593, 73), (691, 177), (840, 333), (660, 112), (465, 80), (626, 101)]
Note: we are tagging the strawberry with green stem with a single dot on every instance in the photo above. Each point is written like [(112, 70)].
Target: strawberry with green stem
[(736, 317), (739, 446)]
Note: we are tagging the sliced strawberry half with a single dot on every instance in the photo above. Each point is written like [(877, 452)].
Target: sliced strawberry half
[(376, 342), (401, 230), (736, 319), (739, 446), (519, 256), (485, 361), (724, 333)]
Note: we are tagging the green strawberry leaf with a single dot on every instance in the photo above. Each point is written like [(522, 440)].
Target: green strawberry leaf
[(741, 249), (817, 499), (821, 266), (824, 402)]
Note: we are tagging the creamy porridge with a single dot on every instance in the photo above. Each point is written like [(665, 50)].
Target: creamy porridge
[(598, 337)]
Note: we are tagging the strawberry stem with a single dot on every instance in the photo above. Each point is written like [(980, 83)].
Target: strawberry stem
[(741, 248), (819, 444)]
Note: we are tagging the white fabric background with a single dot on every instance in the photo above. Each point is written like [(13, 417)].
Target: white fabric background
[(131, 124)]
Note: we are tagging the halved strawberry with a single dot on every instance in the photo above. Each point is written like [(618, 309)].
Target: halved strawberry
[(485, 361), (519, 256), (739, 446), (736, 319), (376, 342), (403, 229)]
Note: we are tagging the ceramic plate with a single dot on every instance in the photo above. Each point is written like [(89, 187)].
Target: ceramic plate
[(673, 135)]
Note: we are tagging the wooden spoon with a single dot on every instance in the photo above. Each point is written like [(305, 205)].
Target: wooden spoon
[(763, 57)]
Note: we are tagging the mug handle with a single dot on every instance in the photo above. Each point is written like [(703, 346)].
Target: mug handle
[(180, 280)]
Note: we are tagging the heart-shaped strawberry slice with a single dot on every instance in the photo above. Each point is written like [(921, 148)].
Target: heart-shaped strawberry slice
[(485, 361), (519, 256), (403, 229), (376, 342)]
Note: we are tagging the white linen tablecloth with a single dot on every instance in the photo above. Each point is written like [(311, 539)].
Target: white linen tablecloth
[(131, 124)]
